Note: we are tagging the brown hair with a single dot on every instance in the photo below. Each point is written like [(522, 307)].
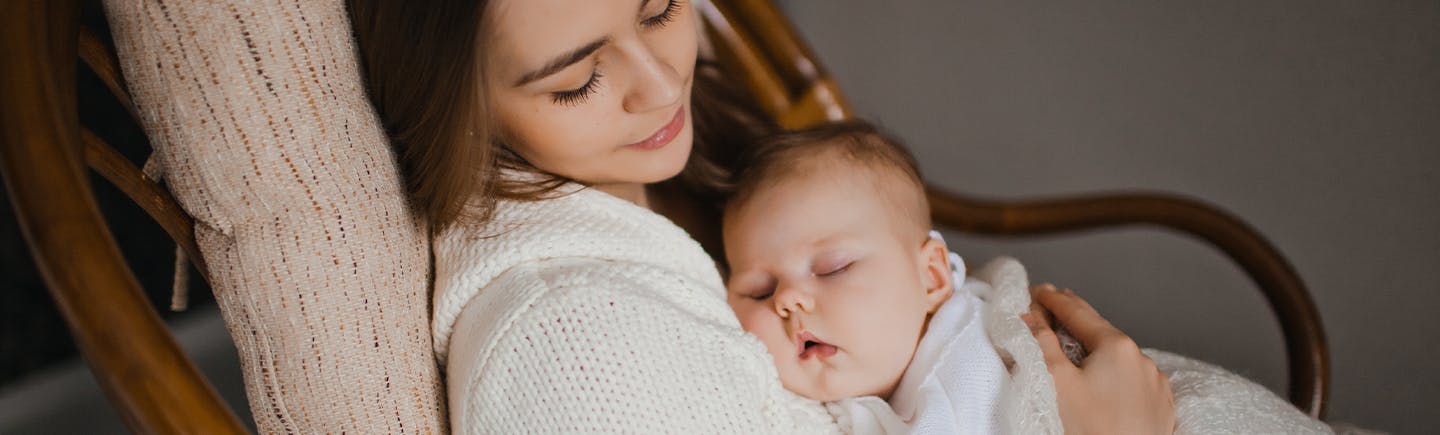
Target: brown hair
[(782, 154), (422, 73)]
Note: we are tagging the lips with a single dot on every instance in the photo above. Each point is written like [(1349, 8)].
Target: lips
[(809, 346), (666, 133)]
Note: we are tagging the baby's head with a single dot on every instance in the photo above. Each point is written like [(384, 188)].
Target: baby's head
[(831, 264)]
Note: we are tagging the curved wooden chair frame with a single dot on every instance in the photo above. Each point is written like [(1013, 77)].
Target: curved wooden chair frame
[(157, 390)]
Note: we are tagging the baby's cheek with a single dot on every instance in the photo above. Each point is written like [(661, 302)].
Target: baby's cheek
[(763, 325), (901, 338), (748, 318)]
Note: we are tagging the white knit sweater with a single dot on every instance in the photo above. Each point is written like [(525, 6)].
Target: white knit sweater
[(587, 312)]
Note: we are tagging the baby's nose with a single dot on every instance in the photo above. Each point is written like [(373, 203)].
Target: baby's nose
[(791, 300)]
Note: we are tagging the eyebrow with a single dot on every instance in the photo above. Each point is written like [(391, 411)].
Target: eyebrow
[(562, 61)]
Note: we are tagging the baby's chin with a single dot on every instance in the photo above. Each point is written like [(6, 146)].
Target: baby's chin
[(812, 393), (817, 388)]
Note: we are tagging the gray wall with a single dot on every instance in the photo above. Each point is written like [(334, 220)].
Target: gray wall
[(1318, 121), (65, 399)]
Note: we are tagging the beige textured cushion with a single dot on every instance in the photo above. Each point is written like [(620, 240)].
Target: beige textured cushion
[(261, 126)]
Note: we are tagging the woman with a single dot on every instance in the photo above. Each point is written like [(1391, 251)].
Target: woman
[(552, 144)]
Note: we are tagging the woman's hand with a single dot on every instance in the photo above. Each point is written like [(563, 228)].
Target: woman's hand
[(1115, 389)]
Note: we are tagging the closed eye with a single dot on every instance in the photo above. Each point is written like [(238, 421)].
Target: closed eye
[(578, 95), (672, 8), (837, 270), (762, 294), (752, 285)]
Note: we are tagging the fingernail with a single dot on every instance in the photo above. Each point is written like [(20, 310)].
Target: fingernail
[(1030, 321), (1047, 287), (1070, 292)]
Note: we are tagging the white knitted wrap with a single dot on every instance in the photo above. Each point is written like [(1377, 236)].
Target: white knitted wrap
[(1212, 400), (1030, 407), (1208, 399), (586, 312)]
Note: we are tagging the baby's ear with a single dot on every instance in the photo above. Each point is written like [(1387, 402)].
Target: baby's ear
[(935, 273)]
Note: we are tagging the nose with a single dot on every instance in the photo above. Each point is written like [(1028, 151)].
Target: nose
[(656, 84), (793, 299)]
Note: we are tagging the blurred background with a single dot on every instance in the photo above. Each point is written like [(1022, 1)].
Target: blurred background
[(1316, 121)]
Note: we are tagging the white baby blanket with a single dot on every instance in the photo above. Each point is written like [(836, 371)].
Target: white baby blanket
[(940, 399)]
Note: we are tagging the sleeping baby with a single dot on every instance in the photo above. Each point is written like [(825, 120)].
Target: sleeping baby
[(832, 265)]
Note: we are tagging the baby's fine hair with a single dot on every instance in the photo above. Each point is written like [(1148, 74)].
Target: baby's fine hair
[(779, 155)]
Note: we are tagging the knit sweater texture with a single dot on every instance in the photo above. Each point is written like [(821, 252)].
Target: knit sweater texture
[(588, 312)]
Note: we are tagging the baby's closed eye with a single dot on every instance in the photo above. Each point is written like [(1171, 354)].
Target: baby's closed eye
[(752, 287), (758, 293), (832, 262), (835, 269)]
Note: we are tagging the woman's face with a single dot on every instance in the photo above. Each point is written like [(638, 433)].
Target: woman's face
[(593, 90)]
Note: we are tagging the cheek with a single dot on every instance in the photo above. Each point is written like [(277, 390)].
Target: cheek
[(680, 53), (552, 137), (893, 315), (678, 43), (755, 320), (763, 323)]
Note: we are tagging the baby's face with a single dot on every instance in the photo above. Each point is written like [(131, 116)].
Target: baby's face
[(827, 275)]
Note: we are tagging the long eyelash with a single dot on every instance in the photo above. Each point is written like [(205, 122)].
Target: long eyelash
[(671, 9), (577, 96)]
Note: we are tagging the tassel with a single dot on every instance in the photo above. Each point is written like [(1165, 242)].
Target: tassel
[(180, 292), (152, 170)]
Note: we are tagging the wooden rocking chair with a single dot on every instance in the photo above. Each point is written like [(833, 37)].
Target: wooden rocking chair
[(157, 390)]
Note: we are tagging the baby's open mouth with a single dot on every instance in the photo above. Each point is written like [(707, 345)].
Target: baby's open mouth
[(810, 346)]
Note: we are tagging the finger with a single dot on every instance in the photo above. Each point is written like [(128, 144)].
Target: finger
[(1049, 343), (1080, 318), (1036, 309), (1038, 314), (1036, 290)]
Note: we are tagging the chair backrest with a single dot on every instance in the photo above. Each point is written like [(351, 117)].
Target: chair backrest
[(155, 387)]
